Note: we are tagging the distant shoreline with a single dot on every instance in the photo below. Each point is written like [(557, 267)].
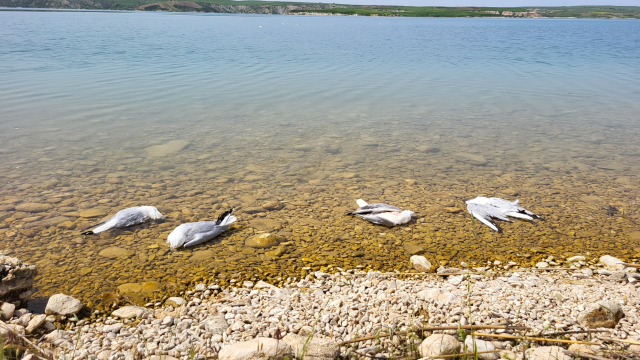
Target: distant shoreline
[(328, 9)]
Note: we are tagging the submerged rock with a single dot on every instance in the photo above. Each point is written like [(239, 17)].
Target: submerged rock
[(262, 241), (34, 207), (167, 148)]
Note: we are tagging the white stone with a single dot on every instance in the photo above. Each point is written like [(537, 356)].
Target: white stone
[(542, 264), (481, 345), (129, 312), (61, 304), (7, 311), (576, 258), (456, 280), (420, 263), (35, 322), (175, 302), (167, 320), (546, 353), (201, 287), (256, 349), (612, 263), (317, 348), (439, 344), (112, 328)]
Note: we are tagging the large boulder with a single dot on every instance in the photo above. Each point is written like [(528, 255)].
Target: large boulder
[(439, 344), (317, 348), (260, 348), (16, 277), (601, 314), (546, 353), (61, 304)]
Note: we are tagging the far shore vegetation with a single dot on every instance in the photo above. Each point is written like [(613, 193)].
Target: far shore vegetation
[(302, 8)]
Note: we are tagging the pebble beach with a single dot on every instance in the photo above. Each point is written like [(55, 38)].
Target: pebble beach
[(334, 310)]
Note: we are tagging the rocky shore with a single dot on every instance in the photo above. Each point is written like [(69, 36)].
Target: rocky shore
[(333, 310)]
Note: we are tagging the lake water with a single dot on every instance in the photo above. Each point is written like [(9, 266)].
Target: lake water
[(303, 115)]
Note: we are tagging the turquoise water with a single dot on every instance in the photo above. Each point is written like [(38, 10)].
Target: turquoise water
[(313, 112)]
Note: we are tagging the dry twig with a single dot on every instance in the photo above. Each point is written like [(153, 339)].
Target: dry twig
[(536, 339)]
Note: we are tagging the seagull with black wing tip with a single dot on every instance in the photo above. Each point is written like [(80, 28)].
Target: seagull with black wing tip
[(191, 234), (382, 214), (125, 218), (486, 209)]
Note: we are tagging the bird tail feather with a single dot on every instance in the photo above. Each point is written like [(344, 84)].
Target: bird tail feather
[(361, 202), (85, 232)]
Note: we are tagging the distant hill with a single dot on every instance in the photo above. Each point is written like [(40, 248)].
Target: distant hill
[(300, 8)]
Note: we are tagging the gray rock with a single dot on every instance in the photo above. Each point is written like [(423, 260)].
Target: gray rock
[(216, 324), (546, 353), (587, 271), (4, 330), (604, 272), (260, 348), (420, 263), (7, 311), (317, 348), (129, 312), (35, 322), (481, 345), (618, 274), (602, 314), (17, 277), (439, 344), (61, 304)]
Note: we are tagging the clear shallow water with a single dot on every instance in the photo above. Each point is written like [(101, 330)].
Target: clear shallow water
[(311, 112)]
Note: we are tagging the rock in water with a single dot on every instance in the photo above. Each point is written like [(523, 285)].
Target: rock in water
[(167, 149), (262, 241), (413, 249), (602, 314), (16, 277), (34, 207), (439, 344), (317, 348), (420, 263), (471, 159), (61, 304), (255, 349)]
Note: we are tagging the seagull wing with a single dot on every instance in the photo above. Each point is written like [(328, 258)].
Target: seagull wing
[(375, 208), (485, 213)]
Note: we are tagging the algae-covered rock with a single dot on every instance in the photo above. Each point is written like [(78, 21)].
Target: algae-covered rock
[(266, 240), (114, 252), (34, 207)]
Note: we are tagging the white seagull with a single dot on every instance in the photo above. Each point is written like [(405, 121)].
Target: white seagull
[(191, 234), (382, 214), (484, 209), (127, 217)]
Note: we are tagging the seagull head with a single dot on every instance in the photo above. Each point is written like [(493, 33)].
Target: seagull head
[(176, 239), (152, 212)]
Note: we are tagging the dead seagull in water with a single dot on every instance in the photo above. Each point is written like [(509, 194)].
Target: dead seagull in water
[(382, 214), (484, 209), (125, 218), (191, 234)]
